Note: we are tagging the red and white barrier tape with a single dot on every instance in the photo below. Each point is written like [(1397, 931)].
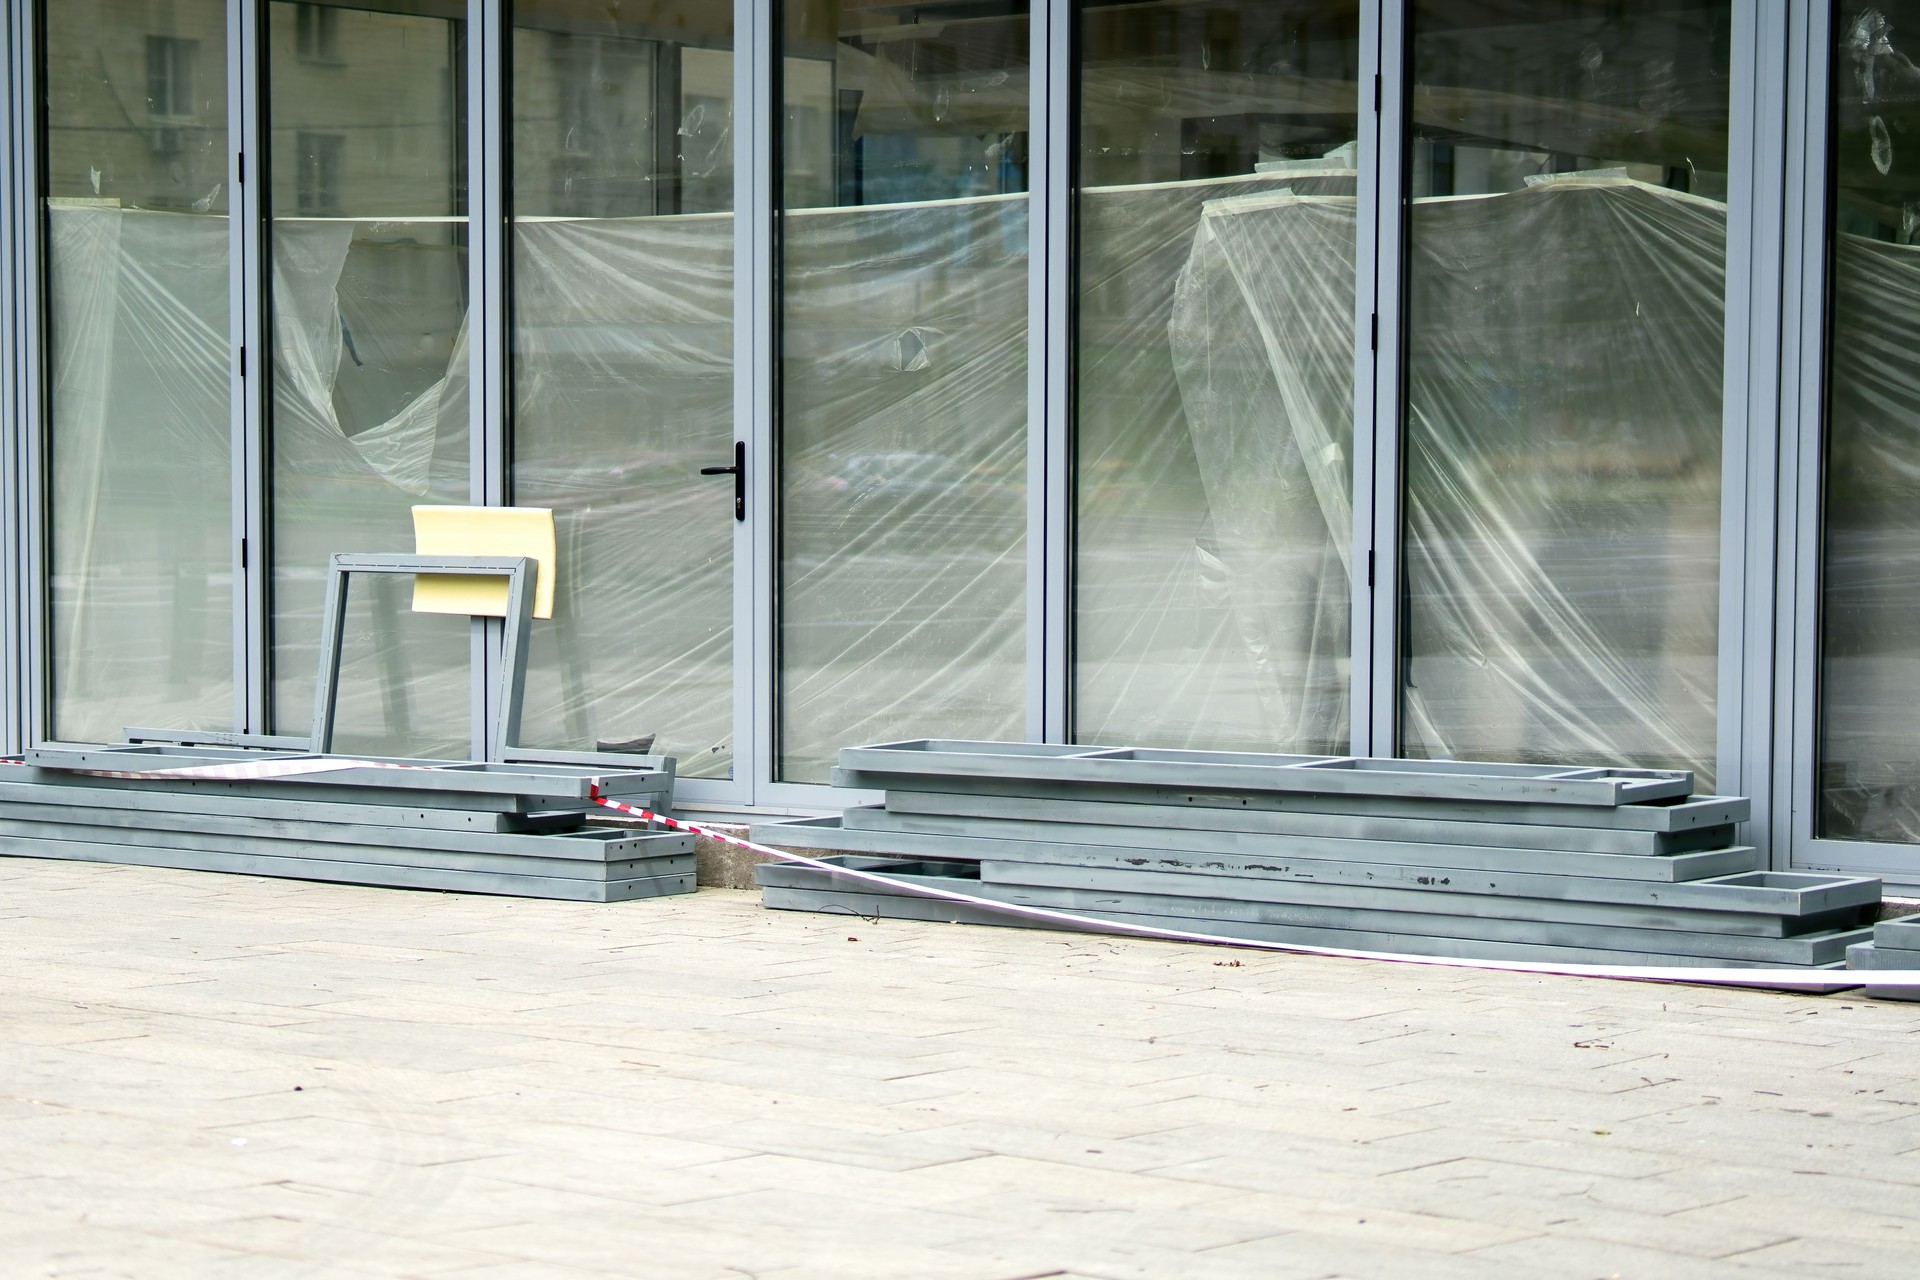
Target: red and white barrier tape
[(1796, 978)]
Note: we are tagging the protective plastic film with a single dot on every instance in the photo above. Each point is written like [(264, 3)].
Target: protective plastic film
[(368, 305), (370, 413), (623, 390), (142, 526), (1214, 432), (1563, 475), (904, 456), (139, 362)]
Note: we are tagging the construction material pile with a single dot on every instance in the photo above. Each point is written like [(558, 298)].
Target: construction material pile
[(516, 829), (1895, 947), (1438, 858)]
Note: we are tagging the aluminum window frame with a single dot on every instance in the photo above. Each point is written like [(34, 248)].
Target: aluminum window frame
[(1807, 307), (1774, 396), (1761, 96)]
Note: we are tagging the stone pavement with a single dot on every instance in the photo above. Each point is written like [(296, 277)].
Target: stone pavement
[(208, 1076)]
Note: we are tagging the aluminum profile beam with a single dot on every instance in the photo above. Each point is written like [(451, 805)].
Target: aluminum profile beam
[(1697, 811), (1347, 825), (395, 875), (1407, 846), (824, 892), (1231, 770), (1872, 957), (827, 834), (182, 805), (599, 844), (48, 839), (1700, 913), (1902, 934), (435, 777)]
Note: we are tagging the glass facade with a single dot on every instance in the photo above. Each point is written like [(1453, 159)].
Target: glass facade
[(1869, 738), (622, 369), (1215, 364), (1043, 333), (139, 384), (903, 377), (1566, 284), (367, 205)]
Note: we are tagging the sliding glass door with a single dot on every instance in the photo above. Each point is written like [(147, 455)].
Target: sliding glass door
[(621, 348), (1565, 337), (1214, 356), (903, 225), (367, 244), (140, 371), (1855, 763)]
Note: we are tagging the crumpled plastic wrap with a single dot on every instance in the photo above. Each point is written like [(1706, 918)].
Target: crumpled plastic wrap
[(1208, 606), (623, 390), (1564, 376), (1562, 472), (903, 461), (141, 527), (370, 417), (1870, 663)]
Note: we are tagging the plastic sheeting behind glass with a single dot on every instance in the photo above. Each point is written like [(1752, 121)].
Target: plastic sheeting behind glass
[(1215, 382), (623, 371), (1870, 581), (140, 525), (902, 560), (1565, 333), (368, 296)]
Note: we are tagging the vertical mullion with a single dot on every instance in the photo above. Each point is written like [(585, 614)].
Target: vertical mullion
[(28, 299), (1378, 453), (1367, 205), (1802, 403), (1755, 196), (1051, 310), (1039, 163), (240, 422), (12, 147), (757, 115), (246, 44), (486, 326), (1061, 284)]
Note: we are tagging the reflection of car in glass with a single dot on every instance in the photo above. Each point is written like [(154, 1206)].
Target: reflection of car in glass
[(898, 476)]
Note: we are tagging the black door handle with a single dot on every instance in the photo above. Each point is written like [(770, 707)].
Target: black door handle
[(739, 473)]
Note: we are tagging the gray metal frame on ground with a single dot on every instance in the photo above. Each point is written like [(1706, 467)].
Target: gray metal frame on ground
[(519, 572)]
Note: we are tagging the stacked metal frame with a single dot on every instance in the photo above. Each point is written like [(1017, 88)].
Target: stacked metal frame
[(1475, 861), (1895, 946), (513, 829)]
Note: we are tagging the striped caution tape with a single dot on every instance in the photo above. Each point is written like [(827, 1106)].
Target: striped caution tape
[(1819, 979)]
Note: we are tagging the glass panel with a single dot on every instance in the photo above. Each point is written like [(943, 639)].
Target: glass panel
[(623, 370), (1565, 300), (367, 157), (139, 399), (1870, 572), (903, 369), (1215, 344)]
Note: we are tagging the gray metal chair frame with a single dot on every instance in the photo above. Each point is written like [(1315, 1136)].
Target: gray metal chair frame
[(517, 570)]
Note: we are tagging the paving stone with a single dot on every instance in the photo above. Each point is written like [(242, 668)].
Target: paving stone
[(498, 1090)]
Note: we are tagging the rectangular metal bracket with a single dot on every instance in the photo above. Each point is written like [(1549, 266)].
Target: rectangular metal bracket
[(519, 572)]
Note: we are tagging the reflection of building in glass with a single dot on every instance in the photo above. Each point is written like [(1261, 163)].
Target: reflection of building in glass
[(137, 103)]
